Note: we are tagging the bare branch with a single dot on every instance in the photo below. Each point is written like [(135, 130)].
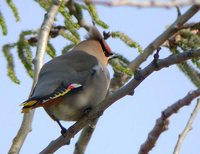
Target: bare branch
[(162, 122), (187, 128), (38, 62), (164, 36), (120, 78), (144, 4), (84, 138), (118, 94)]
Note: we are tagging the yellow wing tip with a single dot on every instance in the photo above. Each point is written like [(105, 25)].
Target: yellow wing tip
[(27, 106), (29, 103)]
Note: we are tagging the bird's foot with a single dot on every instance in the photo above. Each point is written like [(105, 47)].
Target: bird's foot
[(63, 131)]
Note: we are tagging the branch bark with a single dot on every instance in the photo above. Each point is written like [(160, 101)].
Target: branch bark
[(187, 128), (118, 94), (133, 3), (84, 138), (162, 122), (120, 78), (164, 36), (38, 62)]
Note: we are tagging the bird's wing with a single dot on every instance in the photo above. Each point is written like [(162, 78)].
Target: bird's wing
[(64, 74)]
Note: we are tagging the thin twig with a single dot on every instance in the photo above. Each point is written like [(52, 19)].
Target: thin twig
[(163, 37), (187, 128), (144, 4), (177, 25), (118, 94), (162, 122), (84, 138), (38, 62)]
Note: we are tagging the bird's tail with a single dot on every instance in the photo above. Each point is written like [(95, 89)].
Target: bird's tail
[(28, 105), (51, 99)]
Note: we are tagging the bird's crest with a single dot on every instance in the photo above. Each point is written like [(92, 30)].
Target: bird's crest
[(94, 34)]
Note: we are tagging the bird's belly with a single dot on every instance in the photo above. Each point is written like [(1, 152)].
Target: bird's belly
[(73, 106)]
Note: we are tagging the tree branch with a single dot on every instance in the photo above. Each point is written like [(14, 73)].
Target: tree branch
[(164, 36), (120, 78), (118, 94), (162, 122), (187, 128), (38, 62), (150, 3), (84, 138)]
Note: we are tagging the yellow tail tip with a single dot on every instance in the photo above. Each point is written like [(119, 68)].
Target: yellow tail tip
[(29, 103)]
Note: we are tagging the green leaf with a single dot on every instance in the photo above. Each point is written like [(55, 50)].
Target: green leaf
[(131, 43), (67, 48), (45, 4), (120, 64), (51, 50), (69, 37), (72, 30), (3, 24), (14, 9), (92, 10), (10, 62), (24, 52), (188, 70), (68, 17)]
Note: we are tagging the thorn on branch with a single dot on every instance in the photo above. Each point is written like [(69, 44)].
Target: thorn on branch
[(178, 11), (163, 115), (106, 35), (165, 125), (132, 92), (138, 74), (156, 58)]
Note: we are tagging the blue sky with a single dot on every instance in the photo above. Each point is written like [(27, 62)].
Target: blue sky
[(125, 125)]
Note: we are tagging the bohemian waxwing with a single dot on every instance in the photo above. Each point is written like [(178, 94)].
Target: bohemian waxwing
[(70, 84)]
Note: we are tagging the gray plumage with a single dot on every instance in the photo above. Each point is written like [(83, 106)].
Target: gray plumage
[(86, 70)]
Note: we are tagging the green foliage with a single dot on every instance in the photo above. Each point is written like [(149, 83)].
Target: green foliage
[(2, 20), (92, 10), (79, 12), (73, 14), (10, 62), (69, 37), (72, 29), (189, 70), (187, 39), (126, 40), (67, 48), (45, 4), (14, 9), (68, 17), (191, 73), (3, 24), (120, 64), (51, 50), (24, 52)]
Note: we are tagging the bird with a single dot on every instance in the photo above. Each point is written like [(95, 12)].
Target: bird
[(74, 82)]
